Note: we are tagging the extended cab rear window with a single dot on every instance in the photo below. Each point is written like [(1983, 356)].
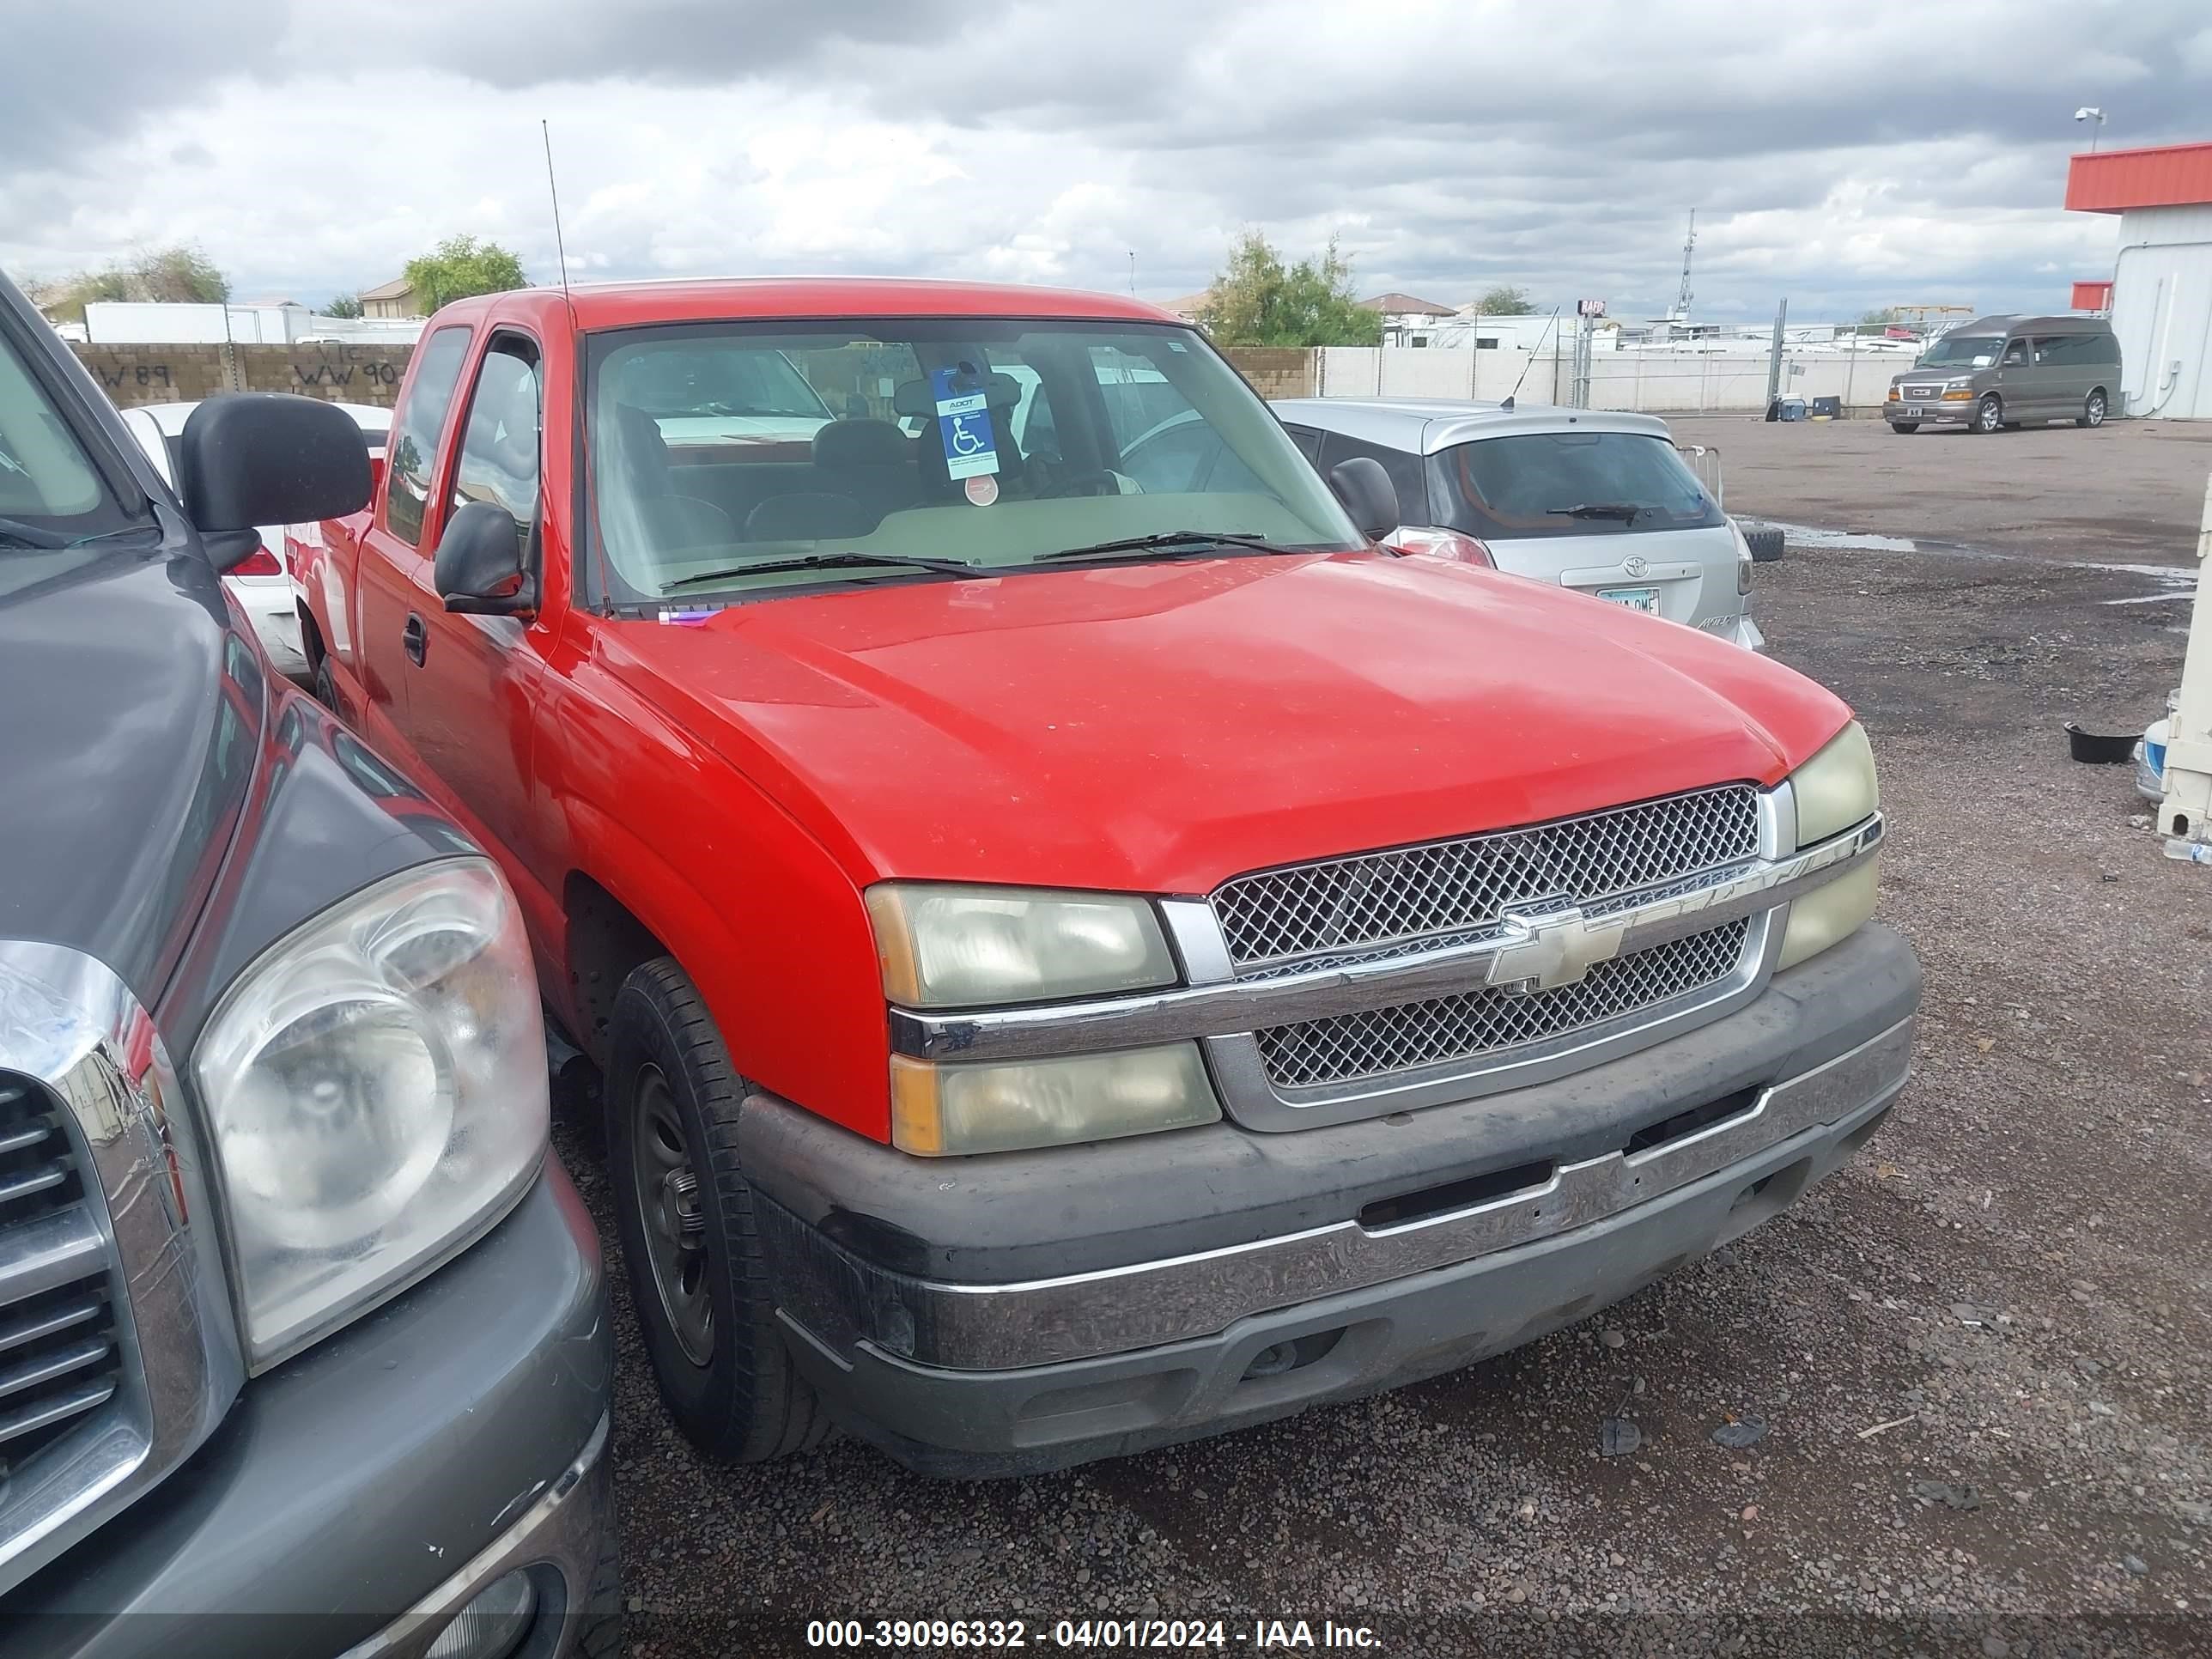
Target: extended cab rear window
[(1567, 483)]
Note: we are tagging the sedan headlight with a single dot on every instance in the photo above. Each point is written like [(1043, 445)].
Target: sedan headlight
[(376, 1083), (1834, 791), (948, 946), (989, 1106)]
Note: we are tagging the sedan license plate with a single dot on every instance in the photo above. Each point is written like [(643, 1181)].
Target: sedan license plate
[(1635, 599)]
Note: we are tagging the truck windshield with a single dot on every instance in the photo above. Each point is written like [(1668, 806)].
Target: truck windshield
[(723, 455), (54, 502), (1567, 483), (1964, 351)]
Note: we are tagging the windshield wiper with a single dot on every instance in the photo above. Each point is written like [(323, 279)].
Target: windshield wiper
[(831, 562), (1198, 540), (16, 533), (1623, 511)]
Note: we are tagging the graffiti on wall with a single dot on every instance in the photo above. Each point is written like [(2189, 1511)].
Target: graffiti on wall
[(349, 366), (148, 375)]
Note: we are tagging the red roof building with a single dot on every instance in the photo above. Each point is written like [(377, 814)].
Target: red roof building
[(2159, 293)]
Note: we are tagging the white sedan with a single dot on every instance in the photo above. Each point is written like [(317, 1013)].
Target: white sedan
[(260, 582)]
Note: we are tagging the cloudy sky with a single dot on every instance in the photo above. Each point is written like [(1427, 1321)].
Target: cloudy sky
[(1846, 156)]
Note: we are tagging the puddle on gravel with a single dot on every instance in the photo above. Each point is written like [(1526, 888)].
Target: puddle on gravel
[(2175, 581), (1801, 535)]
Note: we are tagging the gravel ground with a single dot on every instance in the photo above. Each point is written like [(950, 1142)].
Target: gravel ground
[(1977, 1353)]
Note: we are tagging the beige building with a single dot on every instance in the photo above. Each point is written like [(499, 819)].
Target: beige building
[(393, 298)]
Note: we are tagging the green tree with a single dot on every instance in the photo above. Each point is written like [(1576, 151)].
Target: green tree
[(343, 305), (1505, 301), (1881, 318), (182, 273), (458, 267), (1259, 300)]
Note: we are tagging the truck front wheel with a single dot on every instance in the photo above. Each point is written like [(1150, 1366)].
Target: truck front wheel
[(684, 1214)]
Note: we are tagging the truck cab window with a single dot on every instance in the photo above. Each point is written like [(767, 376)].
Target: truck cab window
[(418, 430), (499, 460)]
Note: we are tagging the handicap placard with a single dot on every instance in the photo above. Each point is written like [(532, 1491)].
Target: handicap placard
[(963, 423)]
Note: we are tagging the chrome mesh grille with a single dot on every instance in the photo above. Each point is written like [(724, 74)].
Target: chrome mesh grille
[(58, 1355), (1374, 900), (1379, 1041)]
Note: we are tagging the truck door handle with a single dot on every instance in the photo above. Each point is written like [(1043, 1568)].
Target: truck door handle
[(415, 638)]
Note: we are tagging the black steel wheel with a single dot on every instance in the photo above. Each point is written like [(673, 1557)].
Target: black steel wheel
[(685, 1213)]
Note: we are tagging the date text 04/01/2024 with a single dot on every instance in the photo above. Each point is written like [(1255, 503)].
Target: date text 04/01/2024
[(1092, 1634)]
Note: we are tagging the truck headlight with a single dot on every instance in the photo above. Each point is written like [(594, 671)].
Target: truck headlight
[(939, 1110), (948, 946), (376, 1084), (1834, 791)]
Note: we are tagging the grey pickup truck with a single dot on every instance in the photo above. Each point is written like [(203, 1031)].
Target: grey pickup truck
[(303, 1333)]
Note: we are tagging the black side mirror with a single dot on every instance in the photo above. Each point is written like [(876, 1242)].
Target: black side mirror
[(1367, 493), (256, 458), (479, 570)]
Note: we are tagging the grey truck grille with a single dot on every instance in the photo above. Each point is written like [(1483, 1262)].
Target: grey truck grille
[(1376, 1041), (58, 1355), (1415, 898)]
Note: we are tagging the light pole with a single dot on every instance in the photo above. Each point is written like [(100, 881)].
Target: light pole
[(2087, 114)]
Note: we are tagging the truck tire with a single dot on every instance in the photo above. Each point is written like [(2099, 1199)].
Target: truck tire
[(684, 1214), (1765, 544), (1902, 428), (326, 685)]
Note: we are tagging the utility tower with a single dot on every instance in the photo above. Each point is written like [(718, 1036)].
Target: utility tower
[(1690, 241)]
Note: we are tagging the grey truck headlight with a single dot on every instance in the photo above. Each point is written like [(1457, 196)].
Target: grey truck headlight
[(376, 1083), (1835, 791), (944, 945)]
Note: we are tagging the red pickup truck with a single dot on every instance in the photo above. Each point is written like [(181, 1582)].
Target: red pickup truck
[(1085, 948)]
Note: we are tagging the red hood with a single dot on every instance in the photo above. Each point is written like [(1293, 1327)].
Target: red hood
[(1159, 727)]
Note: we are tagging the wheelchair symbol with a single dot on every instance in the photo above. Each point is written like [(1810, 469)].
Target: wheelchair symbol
[(966, 440)]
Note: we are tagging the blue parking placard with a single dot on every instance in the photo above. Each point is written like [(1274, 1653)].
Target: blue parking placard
[(963, 423)]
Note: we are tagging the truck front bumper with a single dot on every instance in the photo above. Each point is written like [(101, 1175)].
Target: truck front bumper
[(360, 1495), (1027, 1311)]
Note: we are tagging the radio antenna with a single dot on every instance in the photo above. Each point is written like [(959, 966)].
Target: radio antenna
[(1531, 362), (560, 246)]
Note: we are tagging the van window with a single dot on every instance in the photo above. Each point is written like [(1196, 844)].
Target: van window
[(2015, 353), (2075, 350), (1963, 351)]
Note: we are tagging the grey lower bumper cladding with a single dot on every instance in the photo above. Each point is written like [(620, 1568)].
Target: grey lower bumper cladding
[(981, 1327), (971, 1327), (905, 1299), (357, 1482)]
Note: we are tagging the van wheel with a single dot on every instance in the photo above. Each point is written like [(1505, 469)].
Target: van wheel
[(2093, 410), (685, 1213), (1989, 414), (1901, 428)]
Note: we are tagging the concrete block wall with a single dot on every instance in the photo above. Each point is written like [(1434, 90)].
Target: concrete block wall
[(1277, 371), (186, 373)]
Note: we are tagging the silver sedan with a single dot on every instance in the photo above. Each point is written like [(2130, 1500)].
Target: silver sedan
[(1594, 499)]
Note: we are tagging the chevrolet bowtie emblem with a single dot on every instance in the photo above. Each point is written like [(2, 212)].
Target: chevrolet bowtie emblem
[(1544, 951)]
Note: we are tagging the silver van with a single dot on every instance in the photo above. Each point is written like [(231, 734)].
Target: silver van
[(1997, 372), (1594, 499)]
